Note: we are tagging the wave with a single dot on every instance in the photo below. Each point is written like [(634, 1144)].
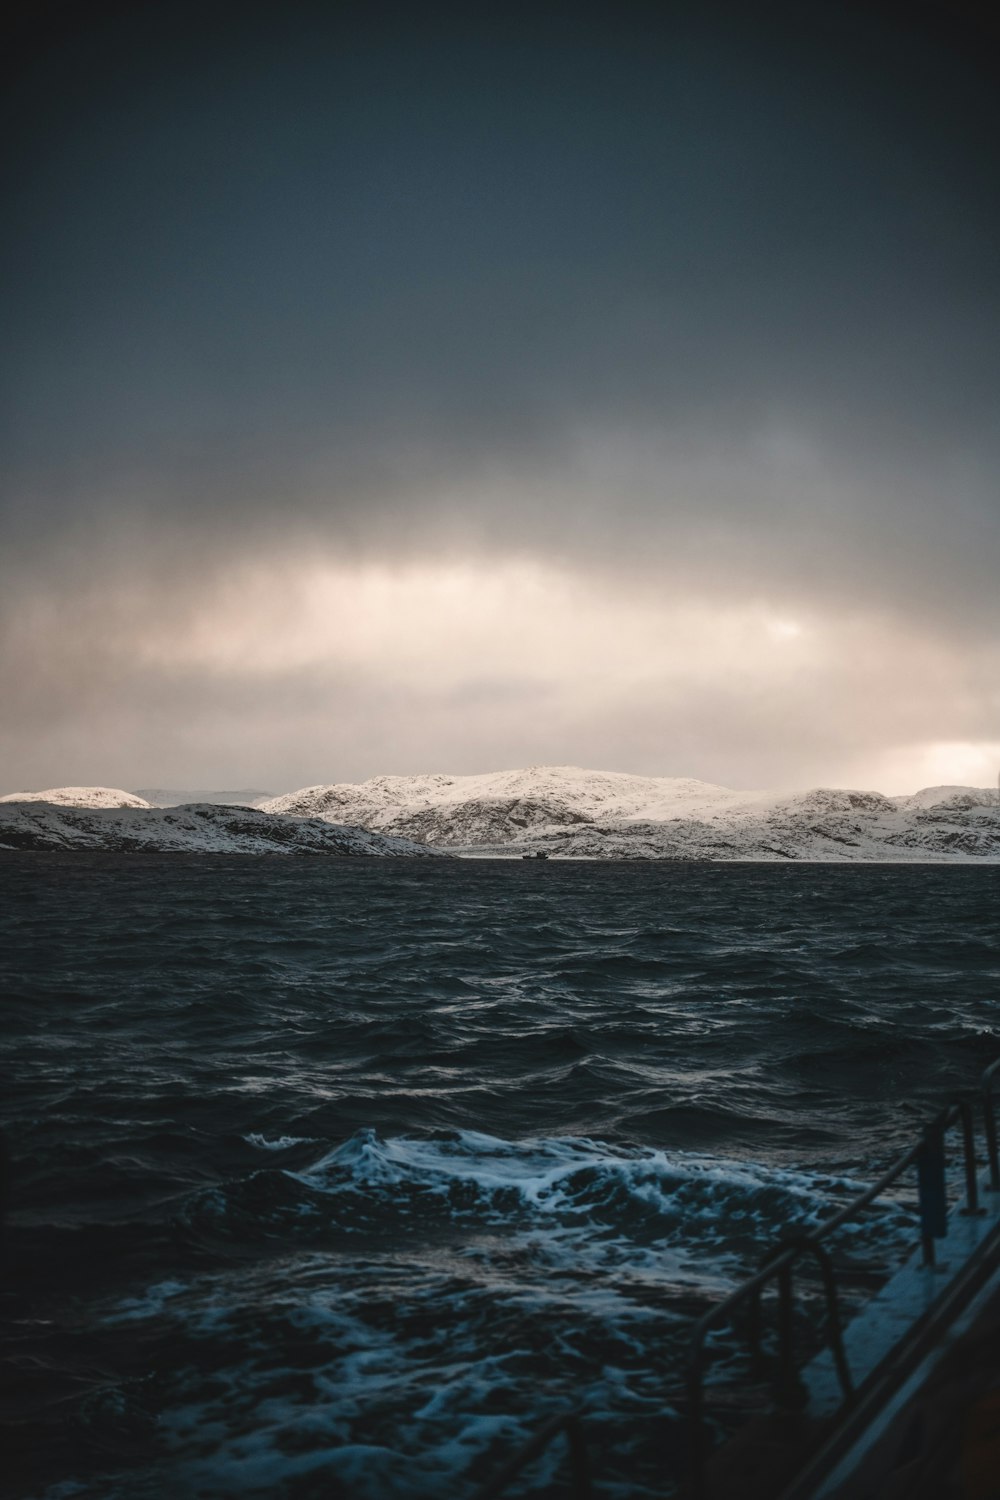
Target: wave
[(338, 1181), (678, 1200), (430, 1296)]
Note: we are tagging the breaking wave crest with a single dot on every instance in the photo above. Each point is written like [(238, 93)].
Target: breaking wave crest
[(676, 1204)]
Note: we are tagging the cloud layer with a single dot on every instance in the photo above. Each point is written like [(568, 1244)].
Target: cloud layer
[(385, 397)]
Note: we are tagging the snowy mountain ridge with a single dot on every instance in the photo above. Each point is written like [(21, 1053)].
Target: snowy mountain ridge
[(556, 810), (608, 814), (589, 793)]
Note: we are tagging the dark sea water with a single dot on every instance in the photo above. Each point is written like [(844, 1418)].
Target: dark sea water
[(333, 1177)]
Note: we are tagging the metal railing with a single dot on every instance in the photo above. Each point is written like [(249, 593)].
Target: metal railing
[(567, 1422), (928, 1156)]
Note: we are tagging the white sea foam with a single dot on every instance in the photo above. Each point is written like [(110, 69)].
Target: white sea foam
[(279, 1143), (650, 1195)]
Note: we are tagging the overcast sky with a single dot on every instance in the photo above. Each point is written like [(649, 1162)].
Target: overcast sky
[(412, 389)]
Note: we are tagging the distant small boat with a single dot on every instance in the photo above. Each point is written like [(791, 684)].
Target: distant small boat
[(540, 854)]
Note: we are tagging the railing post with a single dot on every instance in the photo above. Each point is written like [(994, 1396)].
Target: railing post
[(696, 1416), (791, 1393), (990, 1122), (578, 1462), (835, 1334), (969, 1148), (754, 1333), (931, 1189)]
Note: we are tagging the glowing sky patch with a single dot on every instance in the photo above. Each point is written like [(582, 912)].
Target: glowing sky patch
[(463, 665), (440, 624)]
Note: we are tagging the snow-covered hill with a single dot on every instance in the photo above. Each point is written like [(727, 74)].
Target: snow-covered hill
[(197, 829), (607, 814), (80, 796), (532, 797)]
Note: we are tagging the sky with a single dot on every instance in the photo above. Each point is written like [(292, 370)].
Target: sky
[(405, 389)]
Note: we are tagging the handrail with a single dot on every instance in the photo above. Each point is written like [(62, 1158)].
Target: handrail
[(806, 1245), (927, 1154), (567, 1422)]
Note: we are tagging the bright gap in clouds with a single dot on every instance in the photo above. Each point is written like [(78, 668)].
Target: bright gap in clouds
[(463, 665), (307, 668), (948, 763), (444, 625)]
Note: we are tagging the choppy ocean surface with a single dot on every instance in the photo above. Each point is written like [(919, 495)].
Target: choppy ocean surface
[(333, 1177)]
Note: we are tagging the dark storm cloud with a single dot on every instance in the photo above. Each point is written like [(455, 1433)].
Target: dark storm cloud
[(246, 252), (705, 297)]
